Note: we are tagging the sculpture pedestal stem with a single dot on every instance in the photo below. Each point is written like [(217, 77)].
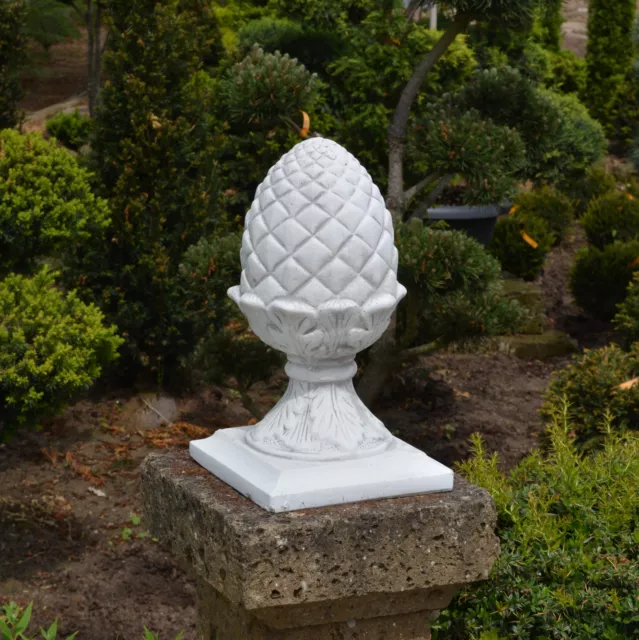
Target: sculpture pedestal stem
[(320, 417)]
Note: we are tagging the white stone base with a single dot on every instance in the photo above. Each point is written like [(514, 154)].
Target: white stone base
[(280, 484)]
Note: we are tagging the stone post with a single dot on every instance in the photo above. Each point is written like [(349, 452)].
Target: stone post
[(374, 570)]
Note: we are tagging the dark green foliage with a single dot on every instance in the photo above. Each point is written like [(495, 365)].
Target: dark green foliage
[(567, 73), (614, 216), (46, 203), (550, 21), (561, 140), (52, 346), (207, 270), (366, 83), (578, 143), (13, 44), (600, 277), (314, 48), (454, 288), (50, 22), (597, 182), (590, 385), (228, 348), (569, 563), (550, 205), (516, 255), (153, 153), (487, 156), (71, 129), (265, 87), (330, 14), (627, 318), (609, 59)]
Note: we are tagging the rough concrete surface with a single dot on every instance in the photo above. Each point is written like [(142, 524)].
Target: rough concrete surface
[(391, 557)]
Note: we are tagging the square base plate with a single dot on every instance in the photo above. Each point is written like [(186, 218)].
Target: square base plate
[(281, 484)]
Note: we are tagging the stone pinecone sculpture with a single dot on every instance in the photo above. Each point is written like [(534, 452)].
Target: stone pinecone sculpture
[(319, 282), (318, 229)]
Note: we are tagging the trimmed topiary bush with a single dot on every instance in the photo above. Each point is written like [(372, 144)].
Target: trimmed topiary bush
[(265, 86), (52, 346), (455, 291), (609, 59), (567, 525), (548, 204), (13, 44), (590, 386), (600, 277), (613, 217), (46, 203), (73, 130), (517, 256)]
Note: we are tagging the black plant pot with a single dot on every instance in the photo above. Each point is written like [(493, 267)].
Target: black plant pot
[(477, 221)]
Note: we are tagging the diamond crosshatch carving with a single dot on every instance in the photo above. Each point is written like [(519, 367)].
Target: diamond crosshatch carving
[(318, 217)]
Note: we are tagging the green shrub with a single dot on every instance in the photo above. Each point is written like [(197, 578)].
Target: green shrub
[(627, 319), (578, 143), (46, 203), (609, 59), (228, 349), (454, 288), (568, 567), (517, 256), (562, 141), (314, 48), (597, 182), (266, 86), (52, 346), (550, 205), (154, 155), (13, 44), (613, 217), (73, 130), (590, 385), (487, 156), (567, 73), (600, 277)]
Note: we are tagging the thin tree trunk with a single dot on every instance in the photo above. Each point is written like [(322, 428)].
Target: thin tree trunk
[(397, 129), (384, 356)]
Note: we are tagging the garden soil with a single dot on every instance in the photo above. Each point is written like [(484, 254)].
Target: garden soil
[(72, 538)]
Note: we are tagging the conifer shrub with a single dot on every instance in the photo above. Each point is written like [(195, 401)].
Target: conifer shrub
[(591, 387), (567, 524), (454, 288), (154, 157), (596, 183), (515, 254), (73, 130), (627, 319), (265, 86), (613, 217), (52, 346), (227, 347), (46, 203), (562, 141), (13, 43), (549, 204), (609, 58), (600, 277)]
